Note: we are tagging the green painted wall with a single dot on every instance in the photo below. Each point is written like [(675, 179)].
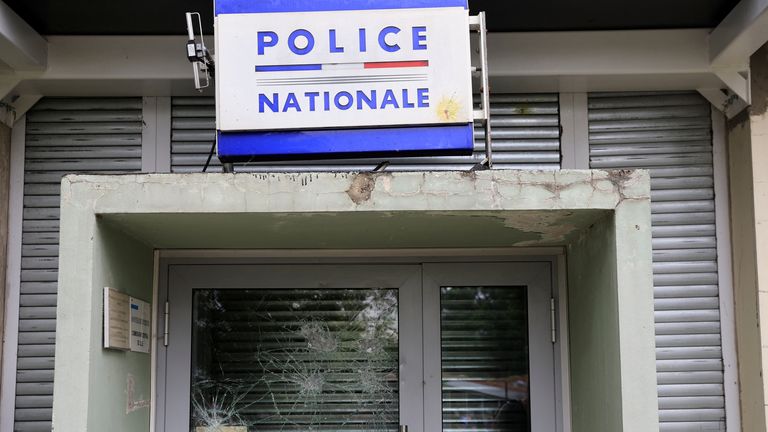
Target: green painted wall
[(594, 330), (127, 265)]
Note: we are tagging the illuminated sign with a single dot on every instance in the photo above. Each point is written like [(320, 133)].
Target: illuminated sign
[(304, 78)]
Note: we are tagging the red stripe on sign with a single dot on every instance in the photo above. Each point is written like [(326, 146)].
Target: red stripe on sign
[(390, 65)]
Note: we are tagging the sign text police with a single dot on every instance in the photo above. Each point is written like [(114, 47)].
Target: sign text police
[(302, 42)]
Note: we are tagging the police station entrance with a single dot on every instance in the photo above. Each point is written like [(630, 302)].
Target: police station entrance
[(365, 299), (418, 346)]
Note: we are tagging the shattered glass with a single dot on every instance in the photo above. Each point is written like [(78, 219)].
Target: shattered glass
[(295, 360)]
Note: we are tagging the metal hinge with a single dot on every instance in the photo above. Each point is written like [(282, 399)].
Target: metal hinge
[(165, 323), (553, 318)]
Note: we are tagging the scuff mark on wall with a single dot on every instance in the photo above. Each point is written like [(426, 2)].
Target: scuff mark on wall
[(134, 404), (550, 227)]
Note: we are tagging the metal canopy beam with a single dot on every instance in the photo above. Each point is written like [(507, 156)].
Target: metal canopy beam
[(21, 47), (588, 53), (622, 60), (739, 35), (633, 60), (520, 62), (105, 66)]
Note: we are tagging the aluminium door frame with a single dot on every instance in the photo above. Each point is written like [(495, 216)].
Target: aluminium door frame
[(540, 286), (553, 255)]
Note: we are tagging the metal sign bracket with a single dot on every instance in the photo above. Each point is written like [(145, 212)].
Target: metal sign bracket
[(483, 115), (198, 54)]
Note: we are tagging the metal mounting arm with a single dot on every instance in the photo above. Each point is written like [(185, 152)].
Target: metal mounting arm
[(198, 54), (483, 115)]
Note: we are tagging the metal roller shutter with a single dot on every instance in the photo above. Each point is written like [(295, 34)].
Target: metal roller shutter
[(671, 135), (63, 136), (526, 135)]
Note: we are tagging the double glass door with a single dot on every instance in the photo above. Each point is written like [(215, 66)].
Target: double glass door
[(430, 347)]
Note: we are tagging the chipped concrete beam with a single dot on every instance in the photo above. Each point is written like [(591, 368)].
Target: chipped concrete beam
[(307, 193)]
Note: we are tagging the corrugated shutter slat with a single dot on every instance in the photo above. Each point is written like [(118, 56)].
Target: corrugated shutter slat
[(671, 135), (63, 136)]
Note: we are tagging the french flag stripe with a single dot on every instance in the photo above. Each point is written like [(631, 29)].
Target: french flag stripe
[(289, 68), (344, 66), (393, 65)]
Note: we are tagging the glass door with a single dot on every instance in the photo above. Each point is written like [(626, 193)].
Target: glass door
[(294, 348), (489, 354), (434, 347)]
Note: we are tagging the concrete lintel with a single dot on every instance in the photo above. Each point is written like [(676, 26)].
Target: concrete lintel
[(340, 192)]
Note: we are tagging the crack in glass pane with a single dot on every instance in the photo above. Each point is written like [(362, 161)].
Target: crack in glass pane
[(290, 360)]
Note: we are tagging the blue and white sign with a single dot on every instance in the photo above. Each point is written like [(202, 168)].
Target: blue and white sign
[(304, 78)]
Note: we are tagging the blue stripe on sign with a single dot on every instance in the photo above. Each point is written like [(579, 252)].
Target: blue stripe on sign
[(272, 6), (358, 142), (287, 68), (134, 306)]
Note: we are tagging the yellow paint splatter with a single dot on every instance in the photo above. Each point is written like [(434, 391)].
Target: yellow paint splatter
[(448, 109)]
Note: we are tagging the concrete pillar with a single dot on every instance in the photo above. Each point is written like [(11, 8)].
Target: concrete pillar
[(5, 180), (748, 160)]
